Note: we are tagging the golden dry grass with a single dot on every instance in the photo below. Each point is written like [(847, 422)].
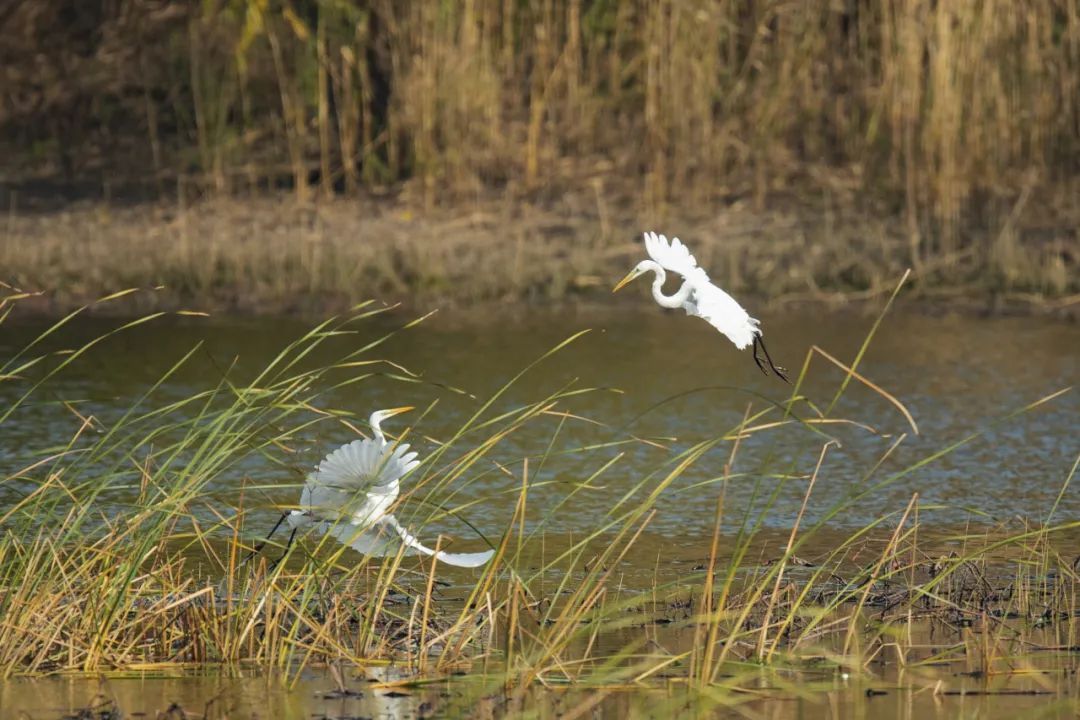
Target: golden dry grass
[(106, 564), (269, 255), (957, 125)]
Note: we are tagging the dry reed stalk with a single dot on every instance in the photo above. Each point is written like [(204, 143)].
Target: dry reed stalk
[(128, 592), (945, 111), (760, 649)]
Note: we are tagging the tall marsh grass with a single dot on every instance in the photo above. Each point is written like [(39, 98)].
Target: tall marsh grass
[(962, 120), (125, 547)]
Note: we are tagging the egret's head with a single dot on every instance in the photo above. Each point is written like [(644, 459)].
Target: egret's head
[(640, 269), (379, 415)]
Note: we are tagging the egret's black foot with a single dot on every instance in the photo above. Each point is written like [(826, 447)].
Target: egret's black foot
[(780, 371), (284, 553), (258, 548), (757, 360)]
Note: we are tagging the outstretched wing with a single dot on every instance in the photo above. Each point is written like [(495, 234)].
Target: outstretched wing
[(376, 541), (707, 300), (723, 313), (364, 464), (460, 559), (356, 475), (674, 256), (387, 535)]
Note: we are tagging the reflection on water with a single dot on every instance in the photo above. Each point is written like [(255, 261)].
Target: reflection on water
[(884, 692), (316, 694), (678, 383), (956, 375)]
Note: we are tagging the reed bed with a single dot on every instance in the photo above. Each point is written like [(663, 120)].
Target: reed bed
[(956, 123), (123, 550), (264, 256)]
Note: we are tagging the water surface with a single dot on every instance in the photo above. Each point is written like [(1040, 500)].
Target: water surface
[(661, 377), (316, 694), (678, 383)]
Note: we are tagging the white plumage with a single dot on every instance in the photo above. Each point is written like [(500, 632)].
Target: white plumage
[(351, 491), (698, 295)]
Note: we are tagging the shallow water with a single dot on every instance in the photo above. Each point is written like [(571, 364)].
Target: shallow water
[(956, 375), (678, 383), (884, 694)]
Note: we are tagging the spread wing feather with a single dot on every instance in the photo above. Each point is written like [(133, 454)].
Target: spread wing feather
[(706, 300), (358, 478), (364, 464), (386, 536), (350, 493), (674, 256), (374, 541), (724, 314), (459, 559)]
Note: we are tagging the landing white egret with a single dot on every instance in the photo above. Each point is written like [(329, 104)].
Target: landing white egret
[(350, 493), (699, 296)]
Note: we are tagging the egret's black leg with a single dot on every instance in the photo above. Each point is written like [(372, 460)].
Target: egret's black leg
[(258, 548), (288, 545), (757, 359), (780, 371)]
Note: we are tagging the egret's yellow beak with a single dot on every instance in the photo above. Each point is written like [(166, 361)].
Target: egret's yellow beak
[(397, 411), (629, 276)]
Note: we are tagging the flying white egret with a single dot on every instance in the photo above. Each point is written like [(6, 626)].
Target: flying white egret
[(350, 493), (699, 296)]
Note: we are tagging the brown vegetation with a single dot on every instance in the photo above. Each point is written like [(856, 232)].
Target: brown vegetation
[(260, 255), (955, 127), (129, 548)]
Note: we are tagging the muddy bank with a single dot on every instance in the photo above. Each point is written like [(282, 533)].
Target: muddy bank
[(271, 255)]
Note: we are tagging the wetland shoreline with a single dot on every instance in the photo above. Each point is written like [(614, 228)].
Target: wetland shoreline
[(836, 594), (270, 255)]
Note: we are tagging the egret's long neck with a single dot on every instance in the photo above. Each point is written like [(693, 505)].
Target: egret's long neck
[(376, 429), (668, 301)]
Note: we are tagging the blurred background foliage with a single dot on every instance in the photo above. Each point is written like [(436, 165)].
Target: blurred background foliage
[(941, 114)]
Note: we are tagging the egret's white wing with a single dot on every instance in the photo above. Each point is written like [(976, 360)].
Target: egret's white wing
[(365, 463), (376, 541), (674, 256), (358, 478), (385, 536), (723, 313), (298, 519), (707, 300), (307, 511), (350, 494), (459, 559)]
